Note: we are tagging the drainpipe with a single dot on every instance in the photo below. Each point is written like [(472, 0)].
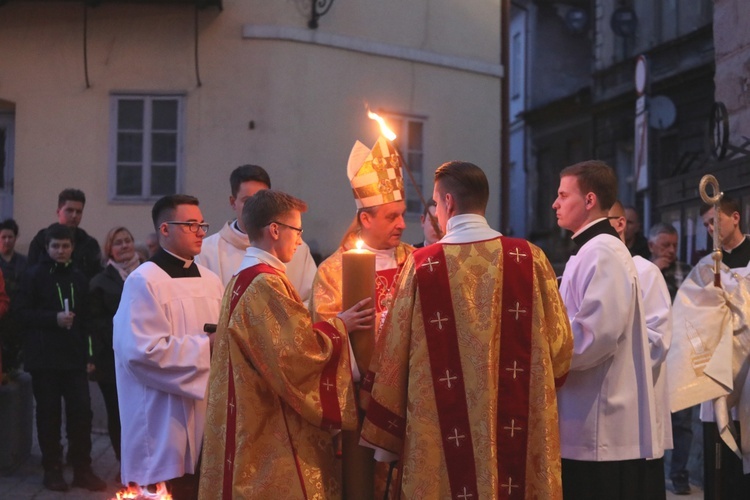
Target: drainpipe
[(504, 116)]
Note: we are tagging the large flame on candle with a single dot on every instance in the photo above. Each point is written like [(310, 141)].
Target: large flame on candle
[(388, 133), (135, 492), (360, 244)]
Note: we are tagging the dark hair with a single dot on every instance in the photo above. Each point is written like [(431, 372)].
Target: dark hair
[(58, 231), (247, 173), (430, 203), (356, 224), (70, 194), (635, 211), (618, 207), (466, 182), (9, 224), (165, 206), (596, 177), (727, 205), (264, 207)]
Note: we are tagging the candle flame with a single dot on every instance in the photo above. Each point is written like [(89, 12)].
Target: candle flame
[(359, 244), (135, 492), (387, 132)]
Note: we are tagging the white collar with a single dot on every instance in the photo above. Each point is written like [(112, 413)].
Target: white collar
[(467, 228), (236, 228), (384, 259), (587, 226), (185, 262), (389, 253), (254, 256), (735, 247)]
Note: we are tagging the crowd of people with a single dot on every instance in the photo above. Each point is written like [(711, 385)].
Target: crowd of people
[(472, 371)]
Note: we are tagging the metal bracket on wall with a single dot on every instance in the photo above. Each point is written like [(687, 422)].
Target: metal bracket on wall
[(319, 9), (718, 134)]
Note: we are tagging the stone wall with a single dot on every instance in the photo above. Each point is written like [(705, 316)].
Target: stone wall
[(732, 79)]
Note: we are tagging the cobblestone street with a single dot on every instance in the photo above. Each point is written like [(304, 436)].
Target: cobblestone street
[(25, 482)]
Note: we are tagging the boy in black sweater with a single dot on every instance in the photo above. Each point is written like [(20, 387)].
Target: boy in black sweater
[(51, 306)]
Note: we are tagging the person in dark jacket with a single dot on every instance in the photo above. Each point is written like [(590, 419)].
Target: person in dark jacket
[(87, 255), (12, 265), (104, 298), (51, 304)]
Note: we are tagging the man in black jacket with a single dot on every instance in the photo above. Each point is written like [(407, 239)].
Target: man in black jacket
[(51, 304), (87, 255)]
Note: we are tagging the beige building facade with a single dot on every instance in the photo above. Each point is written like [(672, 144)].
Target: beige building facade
[(115, 100)]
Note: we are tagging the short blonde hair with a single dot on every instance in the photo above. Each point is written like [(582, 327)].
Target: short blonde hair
[(107, 247)]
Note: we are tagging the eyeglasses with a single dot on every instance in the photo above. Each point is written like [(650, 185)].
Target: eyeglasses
[(615, 217), (192, 226), (298, 229)]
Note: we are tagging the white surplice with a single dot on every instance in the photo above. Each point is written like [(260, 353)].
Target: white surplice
[(657, 307), (710, 359), (607, 407), (162, 360)]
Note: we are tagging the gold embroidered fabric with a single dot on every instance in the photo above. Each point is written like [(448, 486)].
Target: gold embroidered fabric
[(278, 358), (379, 179), (403, 380), (326, 302)]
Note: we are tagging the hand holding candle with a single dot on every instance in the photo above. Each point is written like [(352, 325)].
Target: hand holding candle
[(65, 319), (359, 317)]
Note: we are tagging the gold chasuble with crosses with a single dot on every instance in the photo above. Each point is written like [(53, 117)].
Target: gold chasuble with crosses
[(475, 342), (279, 385)]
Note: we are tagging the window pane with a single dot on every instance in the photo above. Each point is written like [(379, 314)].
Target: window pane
[(130, 114), (415, 164), (163, 180), (413, 205), (415, 136), (129, 180), (129, 147), (164, 114), (164, 147)]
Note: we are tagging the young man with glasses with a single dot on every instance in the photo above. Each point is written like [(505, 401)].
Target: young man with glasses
[(279, 382), (162, 354), (657, 310), (223, 251)]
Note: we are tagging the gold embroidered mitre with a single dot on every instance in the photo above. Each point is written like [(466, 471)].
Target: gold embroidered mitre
[(375, 174)]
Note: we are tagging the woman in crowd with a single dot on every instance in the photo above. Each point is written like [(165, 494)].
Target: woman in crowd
[(105, 292)]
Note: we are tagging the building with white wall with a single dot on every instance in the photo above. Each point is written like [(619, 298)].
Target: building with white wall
[(129, 100)]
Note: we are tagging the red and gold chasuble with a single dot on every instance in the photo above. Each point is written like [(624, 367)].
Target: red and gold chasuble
[(275, 424), (458, 377), (384, 281)]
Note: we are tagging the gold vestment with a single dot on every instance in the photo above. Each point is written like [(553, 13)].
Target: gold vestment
[(405, 387), (281, 365)]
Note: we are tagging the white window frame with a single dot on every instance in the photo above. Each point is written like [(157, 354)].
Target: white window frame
[(147, 97), (406, 148), (516, 65)]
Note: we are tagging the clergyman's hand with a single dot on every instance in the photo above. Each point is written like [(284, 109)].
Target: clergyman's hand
[(358, 317)]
